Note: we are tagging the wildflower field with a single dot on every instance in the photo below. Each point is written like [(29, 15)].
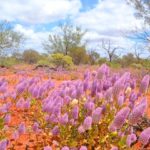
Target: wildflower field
[(90, 109)]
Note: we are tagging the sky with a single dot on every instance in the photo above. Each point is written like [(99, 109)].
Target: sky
[(103, 19)]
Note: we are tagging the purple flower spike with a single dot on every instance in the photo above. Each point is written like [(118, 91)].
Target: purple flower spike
[(96, 115), (138, 112), (114, 148), (144, 84), (21, 128), (35, 127), (87, 123), (83, 148), (120, 118), (120, 100), (81, 129), (130, 139), (7, 118), (15, 135), (145, 136), (55, 130), (3, 145), (47, 148), (75, 112), (64, 119), (65, 148)]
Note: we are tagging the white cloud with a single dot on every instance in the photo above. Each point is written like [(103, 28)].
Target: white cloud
[(38, 11), (109, 19), (33, 39)]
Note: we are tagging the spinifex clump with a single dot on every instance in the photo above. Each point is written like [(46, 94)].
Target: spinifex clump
[(99, 111)]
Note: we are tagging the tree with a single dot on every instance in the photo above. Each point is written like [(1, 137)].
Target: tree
[(109, 49), (79, 55), (127, 60), (143, 9), (31, 56), (61, 60), (9, 39), (94, 57), (138, 51), (68, 38)]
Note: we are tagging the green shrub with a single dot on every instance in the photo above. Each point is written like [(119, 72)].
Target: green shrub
[(136, 66), (114, 65), (43, 62), (7, 62), (61, 60)]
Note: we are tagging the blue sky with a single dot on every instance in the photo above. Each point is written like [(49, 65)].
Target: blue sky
[(104, 19)]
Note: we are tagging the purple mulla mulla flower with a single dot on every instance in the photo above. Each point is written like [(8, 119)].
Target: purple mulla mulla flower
[(75, 112), (109, 94), (81, 129), (145, 136), (114, 148), (3, 88), (74, 94), (66, 100), (3, 144), (35, 92), (131, 139), (7, 118), (57, 109), (94, 88), (83, 148), (137, 112), (64, 119), (103, 71), (47, 148), (96, 115), (133, 84), (15, 135), (79, 91), (120, 118), (53, 119), (89, 106), (87, 122), (120, 100), (117, 88), (87, 74), (144, 84), (21, 128), (55, 130), (65, 148), (35, 127), (20, 103), (27, 104), (85, 84), (20, 88), (3, 108), (133, 97)]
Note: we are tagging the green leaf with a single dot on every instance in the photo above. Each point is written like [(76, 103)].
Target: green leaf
[(1, 123)]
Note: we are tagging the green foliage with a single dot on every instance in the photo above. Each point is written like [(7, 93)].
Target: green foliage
[(8, 62), (31, 56), (114, 65), (94, 57), (79, 55), (102, 61), (44, 62), (127, 60), (9, 39), (136, 66), (69, 38), (60, 60)]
